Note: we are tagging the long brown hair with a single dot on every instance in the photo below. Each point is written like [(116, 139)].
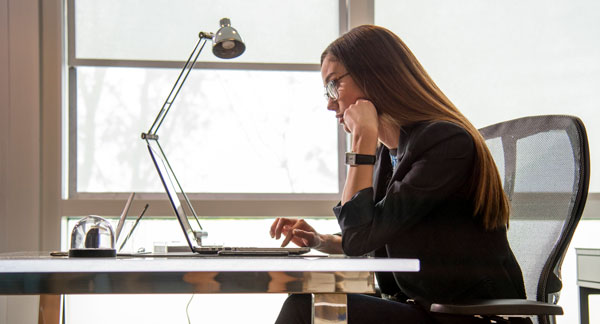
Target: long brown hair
[(395, 82)]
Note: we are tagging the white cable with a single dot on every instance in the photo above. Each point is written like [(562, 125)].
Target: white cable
[(187, 309)]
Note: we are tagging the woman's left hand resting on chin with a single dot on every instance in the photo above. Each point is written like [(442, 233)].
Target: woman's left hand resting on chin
[(299, 232), (361, 120)]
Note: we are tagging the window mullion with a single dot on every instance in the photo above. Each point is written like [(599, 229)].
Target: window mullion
[(360, 12)]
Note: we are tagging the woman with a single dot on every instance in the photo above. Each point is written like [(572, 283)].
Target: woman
[(433, 193)]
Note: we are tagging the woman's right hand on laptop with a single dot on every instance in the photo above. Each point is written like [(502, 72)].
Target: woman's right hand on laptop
[(299, 232)]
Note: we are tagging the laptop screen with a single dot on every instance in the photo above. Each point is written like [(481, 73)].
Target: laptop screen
[(171, 184)]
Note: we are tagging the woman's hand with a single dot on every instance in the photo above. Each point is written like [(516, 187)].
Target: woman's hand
[(360, 119), (301, 233), (296, 230)]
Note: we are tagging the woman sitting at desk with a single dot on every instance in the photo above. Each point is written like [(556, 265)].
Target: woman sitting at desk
[(424, 186)]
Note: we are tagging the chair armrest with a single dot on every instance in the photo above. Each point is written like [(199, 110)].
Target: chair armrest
[(499, 307)]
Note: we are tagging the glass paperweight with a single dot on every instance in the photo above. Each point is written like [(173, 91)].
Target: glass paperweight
[(92, 237)]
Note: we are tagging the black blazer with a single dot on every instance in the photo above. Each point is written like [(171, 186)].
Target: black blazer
[(423, 210)]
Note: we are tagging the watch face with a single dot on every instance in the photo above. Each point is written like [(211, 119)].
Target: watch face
[(350, 159)]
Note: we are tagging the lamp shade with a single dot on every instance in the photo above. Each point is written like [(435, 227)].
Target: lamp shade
[(227, 42)]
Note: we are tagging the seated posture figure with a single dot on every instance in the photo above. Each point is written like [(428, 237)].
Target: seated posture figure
[(433, 192)]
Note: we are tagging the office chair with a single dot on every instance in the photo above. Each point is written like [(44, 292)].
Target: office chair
[(544, 165)]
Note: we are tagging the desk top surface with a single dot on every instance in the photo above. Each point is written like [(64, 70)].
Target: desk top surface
[(40, 262), (40, 273)]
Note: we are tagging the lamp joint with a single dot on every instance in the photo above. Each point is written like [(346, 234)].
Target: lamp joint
[(206, 35), (149, 136)]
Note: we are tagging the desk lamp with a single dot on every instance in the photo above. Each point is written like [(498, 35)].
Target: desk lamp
[(227, 44)]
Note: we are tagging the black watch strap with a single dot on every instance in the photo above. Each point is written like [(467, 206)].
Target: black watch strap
[(359, 159)]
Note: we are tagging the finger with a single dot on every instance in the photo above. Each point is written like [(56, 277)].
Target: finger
[(289, 233), (273, 226), (289, 236), (303, 225), (279, 228), (347, 120), (309, 238)]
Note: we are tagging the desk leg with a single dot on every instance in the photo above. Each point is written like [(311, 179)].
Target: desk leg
[(49, 312), (329, 308)]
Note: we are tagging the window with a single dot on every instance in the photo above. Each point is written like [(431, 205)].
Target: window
[(498, 60), (256, 124)]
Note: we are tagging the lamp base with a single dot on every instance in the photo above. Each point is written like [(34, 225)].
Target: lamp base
[(92, 253)]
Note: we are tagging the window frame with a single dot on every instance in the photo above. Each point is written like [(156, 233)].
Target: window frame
[(76, 203)]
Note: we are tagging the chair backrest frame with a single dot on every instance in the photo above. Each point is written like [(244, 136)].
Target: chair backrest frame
[(510, 132)]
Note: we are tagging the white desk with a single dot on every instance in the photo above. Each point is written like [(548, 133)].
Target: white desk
[(329, 279)]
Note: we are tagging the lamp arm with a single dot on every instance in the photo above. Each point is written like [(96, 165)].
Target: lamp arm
[(189, 64)]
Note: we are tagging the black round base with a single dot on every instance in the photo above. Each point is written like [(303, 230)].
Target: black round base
[(92, 253)]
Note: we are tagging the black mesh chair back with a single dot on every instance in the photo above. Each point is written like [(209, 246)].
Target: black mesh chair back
[(544, 165)]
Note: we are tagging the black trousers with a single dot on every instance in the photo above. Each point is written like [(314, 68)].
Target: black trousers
[(370, 310)]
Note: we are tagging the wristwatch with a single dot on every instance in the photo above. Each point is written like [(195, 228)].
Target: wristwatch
[(359, 159)]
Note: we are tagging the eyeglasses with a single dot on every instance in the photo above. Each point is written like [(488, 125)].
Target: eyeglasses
[(331, 88)]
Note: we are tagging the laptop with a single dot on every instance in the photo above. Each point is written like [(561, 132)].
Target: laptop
[(193, 232)]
